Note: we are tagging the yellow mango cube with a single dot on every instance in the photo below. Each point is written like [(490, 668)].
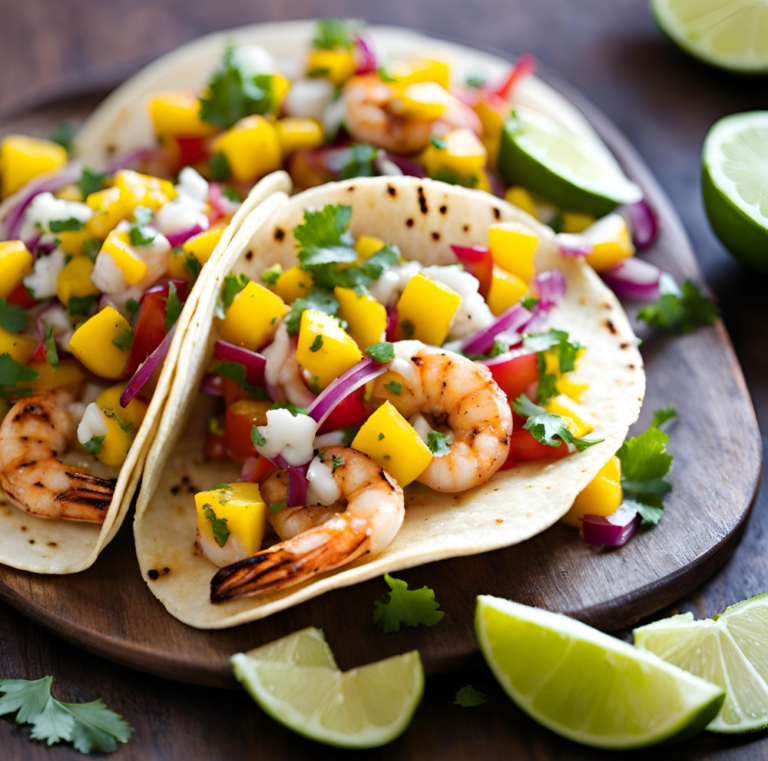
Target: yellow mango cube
[(69, 193), (571, 388), (293, 284), (426, 309), (69, 374), (72, 241), (93, 344), (251, 148), (202, 245), (118, 246), (110, 207), (513, 246), (366, 246), (293, 134), (325, 349), (389, 439), (521, 197), (366, 317), (177, 265), (242, 507), (464, 153), (422, 70), (15, 262), (601, 496), (134, 413), (177, 112), (117, 441), (573, 222), (144, 190), (75, 280), (572, 413), (18, 346), (23, 158), (252, 317), (506, 289), (424, 100), (610, 241), (338, 64)]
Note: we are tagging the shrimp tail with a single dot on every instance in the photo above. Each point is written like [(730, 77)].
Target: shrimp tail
[(90, 495)]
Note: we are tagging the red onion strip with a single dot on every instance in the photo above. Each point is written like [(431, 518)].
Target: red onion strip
[(367, 57), (550, 287), (572, 245), (644, 223), (613, 530), (182, 236), (514, 319), (634, 279), (146, 368)]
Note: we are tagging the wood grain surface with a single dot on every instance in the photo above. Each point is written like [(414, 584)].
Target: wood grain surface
[(664, 101)]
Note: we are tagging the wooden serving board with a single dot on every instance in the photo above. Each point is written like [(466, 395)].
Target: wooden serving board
[(109, 610)]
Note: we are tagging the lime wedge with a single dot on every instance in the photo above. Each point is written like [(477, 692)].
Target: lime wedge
[(575, 172), (730, 650), (735, 185), (296, 681), (724, 33), (587, 686)]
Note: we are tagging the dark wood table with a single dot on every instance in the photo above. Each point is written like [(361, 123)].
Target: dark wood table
[(662, 100)]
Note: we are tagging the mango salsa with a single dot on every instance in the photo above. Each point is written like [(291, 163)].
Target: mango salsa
[(19, 347), (513, 246), (72, 241), (506, 289), (251, 318), (366, 246), (366, 317), (325, 350), (571, 388), (15, 262), (293, 283), (69, 374), (422, 70), (202, 245), (425, 310), (110, 206), (464, 154), (93, 343), (118, 439), (520, 197), (424, 100), (338, 64), (23, 158), (243, 509), (293, 134), (572, 413), (601, 496), (251, 148), (134, 413), (610, 241), (145, 190), (177, 112), (75, 280), (118, 246), (392, 442)]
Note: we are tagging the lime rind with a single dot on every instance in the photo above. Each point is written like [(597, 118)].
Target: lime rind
[(587, 686)]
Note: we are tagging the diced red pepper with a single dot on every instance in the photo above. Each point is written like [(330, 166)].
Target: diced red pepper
[(522, 446), (516, 374), (239, 420), (478, 261), (256, 468), (348, 411), (21, 297), (192, 150)]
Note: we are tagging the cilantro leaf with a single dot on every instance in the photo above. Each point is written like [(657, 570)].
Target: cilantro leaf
[(545, 426), (125, 341), (233, 284), (192, 265), (317, 344), (64, 135), (12, 318), (231, 194), (408, 328), (12, 373), (438, 142), (96, 728), (358, 161), (476, 80), (469, 697), (394, 387), (529, 302), (258, 439), (403, 607), (567, 350), (91, 182), (276, 507), (546, 387), (663, 415), (65, 225), (381, 352), (439, 443), (500, 346), (452, 178), (125, 426), (80, 306), (173, 307), (140, 236), (272, 274), (218, 525), (51, 352), (383, 259), (338, 461), (94, 444), (132, 306), (220, 168), (679, 309), (324, 238), (236, 371), (292, 408), (318, 299), (91, 248), (333, 33)]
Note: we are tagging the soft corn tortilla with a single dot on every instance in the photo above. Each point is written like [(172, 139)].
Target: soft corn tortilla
[(423, 218), (59, 546)]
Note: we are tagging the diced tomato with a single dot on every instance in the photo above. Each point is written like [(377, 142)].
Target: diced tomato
[(149, 330), (348, 411), (522, 446), (192, 150), (232, 391), (215, 447), (21, 297), (163, 288), (256, 468), (38, 355), (239, 420), (516, 374), (478, 261)]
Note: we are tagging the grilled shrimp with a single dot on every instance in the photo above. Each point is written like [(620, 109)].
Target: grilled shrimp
[(34, 433), (455, 395), (318, 540), (372, 116)]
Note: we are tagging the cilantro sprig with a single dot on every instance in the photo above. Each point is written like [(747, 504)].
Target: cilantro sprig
[(566, 351), (233, 284), (439, 443), (51, 352), (92, 182), (546, 427), (333, 33), (218, 525), (12, 373), (679, 309), (406, 607), (173, 307), (13, 318), (469, 697), (138, 232), (381, 352)]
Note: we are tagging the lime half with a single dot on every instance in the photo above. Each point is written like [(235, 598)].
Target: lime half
[(575, 172), (587, 686), (735, 185), (730, 650), (296, 681), (729, 34)]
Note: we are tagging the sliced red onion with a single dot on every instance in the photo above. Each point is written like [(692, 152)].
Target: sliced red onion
[(572, 245), (297, 480), (385, 167), (514, 319), (634, 279), (367, 62), (211, 385), (341, 387), (146, 368), (253, 362), (163, 287), (497, 186), (408, 167), (182, 236), (391, 324), (69, 173), (219, 202), (644, 223), (127, 160), (613, 530), (550, 287)]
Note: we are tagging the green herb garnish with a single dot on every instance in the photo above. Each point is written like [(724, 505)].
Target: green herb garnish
[(403, 607)]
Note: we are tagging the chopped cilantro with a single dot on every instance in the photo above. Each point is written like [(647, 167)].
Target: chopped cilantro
[(381, 436), (452, 178), (257, 438), (385, 76), (218, 525), (663, 415), (500, 346), (679, 309), (132, 306), (124, 341), (403, 607), (333, 33), (337, 462), (359, 161), (91, 182), (529, 302), (173, 307), (91, 248), (233, 284), (546, 387), (381, 352), (438, 142), (469, 697), (12, 318), (318, 299), (559, 340), (408, 328), (236, 371), (88, 726), (349, 432), (383, 259), (125, 425), (93, 446), (12, 373), (476, 80), (276, 507), (80, 306), (192, 265), (64, 135), (51, 352), (137, 232), (272, 274), (292, 408), (439, 443), (231, 194), (317, 344), (394, 387), (220, 169), (65, 225), (324, 238), (545, 426)]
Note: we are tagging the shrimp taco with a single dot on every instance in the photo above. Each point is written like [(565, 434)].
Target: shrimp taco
[(392, 371)]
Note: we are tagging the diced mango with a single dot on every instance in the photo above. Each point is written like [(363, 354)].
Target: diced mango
[(573, 222), (111, 206), (251, 318), (242, 507), (93, 343), (69, 192), (75, 280), (492, 112), (422, 70), (69, 374), (118, 439), (506, 289), (280, 87), (338, 64), (177, 112), (610, 241), (601, 496), (366, 317), (144, 190), (572, 413), (426, 309), (18, 346), (71, 241), (251, 148), (513, 246), (464, 154), (15, 262), (366, 246), (134, 413), (202, 245), (392, 442), (552, 360), (424, 100), (23, 158), (520, 197), (293, 134), (571, 388), (325, 349), (293, 284), (118, 246)]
